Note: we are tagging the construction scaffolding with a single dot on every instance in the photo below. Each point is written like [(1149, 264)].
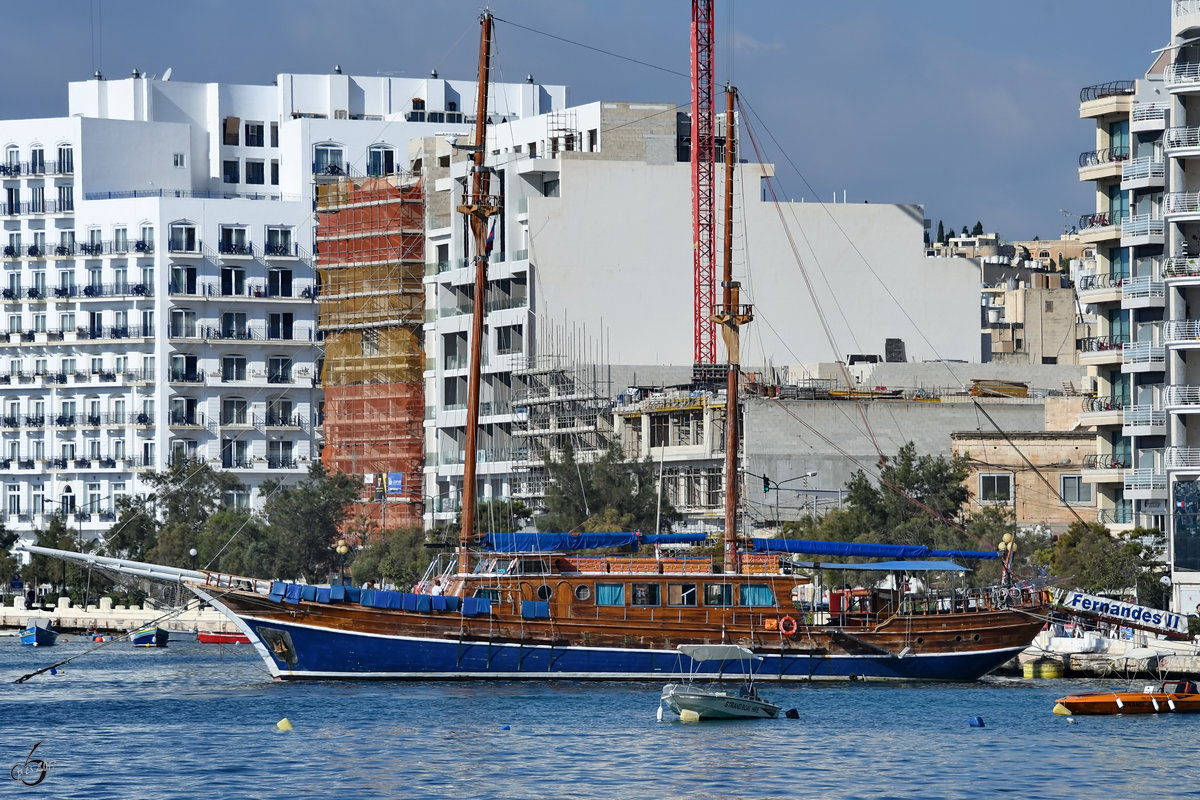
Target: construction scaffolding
[(370, 263), (556, 406)]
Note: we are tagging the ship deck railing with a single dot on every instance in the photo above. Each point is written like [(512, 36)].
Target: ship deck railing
[(221, 580), (638, 565)]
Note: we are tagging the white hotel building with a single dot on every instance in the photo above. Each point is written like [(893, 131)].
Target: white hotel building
[(159, 292)]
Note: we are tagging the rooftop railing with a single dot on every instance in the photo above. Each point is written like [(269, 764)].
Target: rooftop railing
[(1110, 89)]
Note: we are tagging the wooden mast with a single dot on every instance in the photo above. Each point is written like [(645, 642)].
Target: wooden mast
[(731, 317), (478, 207)]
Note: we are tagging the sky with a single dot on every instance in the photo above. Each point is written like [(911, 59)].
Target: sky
[(968, 108)]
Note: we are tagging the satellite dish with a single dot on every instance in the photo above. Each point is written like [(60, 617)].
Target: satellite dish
[(167, 74)]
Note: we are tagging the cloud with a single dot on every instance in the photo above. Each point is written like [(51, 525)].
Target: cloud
[(745, 44)]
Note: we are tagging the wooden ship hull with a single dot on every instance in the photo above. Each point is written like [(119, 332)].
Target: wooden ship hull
[(552, 627)]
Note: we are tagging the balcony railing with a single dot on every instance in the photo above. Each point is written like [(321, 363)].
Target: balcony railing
[(1181, 396), (1181, 330), (1100, 405), (1090, 283), (1145, 112), (1101, 219), (1181, 72), (232, 249), (1181, 457), (1105, 461), (1096, 344), (1110, 89), (1182, 203), (1107, 155), (1143, 353), (1143, 288), (1143, 225), (1145, 480), (1144, 168), (1181, 267), (1143, 416), (1185, 7), (202, 195)]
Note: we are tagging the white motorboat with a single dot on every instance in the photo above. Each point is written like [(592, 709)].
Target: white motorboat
[(706, 694)]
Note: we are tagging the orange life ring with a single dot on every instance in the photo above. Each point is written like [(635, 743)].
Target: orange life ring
[(788, 626)]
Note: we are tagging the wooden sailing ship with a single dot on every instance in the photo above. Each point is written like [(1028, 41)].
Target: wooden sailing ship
[(535, 606)]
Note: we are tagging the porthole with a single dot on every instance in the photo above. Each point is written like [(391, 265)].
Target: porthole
[(583, 592), (975, 637), (920, 640), (958, 638), (544, 592)]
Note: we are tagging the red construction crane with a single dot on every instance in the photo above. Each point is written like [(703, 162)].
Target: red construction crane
[(703, 204)]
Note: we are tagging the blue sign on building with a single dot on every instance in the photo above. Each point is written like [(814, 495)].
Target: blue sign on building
[(395, 483)]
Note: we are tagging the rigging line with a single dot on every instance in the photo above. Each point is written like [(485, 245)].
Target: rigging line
[(1025, 458), (594, 49), (809, 285), (880, 476)]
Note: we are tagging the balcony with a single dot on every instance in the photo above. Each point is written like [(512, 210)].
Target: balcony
[(1148, 117), (1143, 357), (282, 250), (1177, 268), (1142, 173), (232, 250), (1095, 165), (1181, 399), (186, 376), (1143, 292), (1104, 468), (1102, 411), (1182, 458), (1100, 227), (1145, 484), (1104, 99), (1181, 206), (281, 463), (1103, 288), (1143, 420), (1182, 75), (1182, 332), (1141, 229), (1095, 350), (186, 420), (282, 421)]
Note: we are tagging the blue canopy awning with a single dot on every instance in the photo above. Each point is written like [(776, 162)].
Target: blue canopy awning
[(861, 550), (888, 566)]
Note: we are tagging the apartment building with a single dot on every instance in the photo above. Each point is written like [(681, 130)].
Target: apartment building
[(159, 290)]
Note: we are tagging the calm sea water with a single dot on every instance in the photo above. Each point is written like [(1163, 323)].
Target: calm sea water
[(200, 720)]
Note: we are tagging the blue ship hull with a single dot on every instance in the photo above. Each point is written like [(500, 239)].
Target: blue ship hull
[(150, 637), (319, 653), (35, 636)]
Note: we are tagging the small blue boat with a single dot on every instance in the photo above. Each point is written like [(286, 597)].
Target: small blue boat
[(39, 634), (150, 636)]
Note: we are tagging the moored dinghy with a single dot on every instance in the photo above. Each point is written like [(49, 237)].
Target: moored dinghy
[(38, 633), (702, 695), (150, 636), (1170, 697)]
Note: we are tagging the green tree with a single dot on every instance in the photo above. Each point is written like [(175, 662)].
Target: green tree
[(978, 229), (303, 522), (9, 566), (185, 496), (234, 541), (941, 234), (398, 556), (1089, 558), (610, 494), (135, 532), (501, 516)]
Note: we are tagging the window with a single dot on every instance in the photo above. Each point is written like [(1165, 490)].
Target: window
[(646, 594), (274, 172), (1075, 491), (255, 172), (370, 340), (231, 130), (13, 492), (274, 134), (233, 411), (681, 594), (254, 134), (995, 488), (279, 283), (610, 594), (37, 200), (230, 172), (66, 159), (66, 198), (756, 594), (718, 594), (233, 368), (279, 325), (235, 241), (183, 238), (93, 497), (279, 369), (328, 160), (178, 160), (146, 242), (381, 161), (279, 241), (37, 161)]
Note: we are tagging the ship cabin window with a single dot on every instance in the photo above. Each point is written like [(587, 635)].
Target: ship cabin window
[(489, 594), (681, 594), (756, 595), (610, 594), (646, 594), (532, 566), (718, 594)]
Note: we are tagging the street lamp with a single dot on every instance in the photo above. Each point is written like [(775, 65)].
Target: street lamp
[(342, 549), (767, 483), (192, 553)]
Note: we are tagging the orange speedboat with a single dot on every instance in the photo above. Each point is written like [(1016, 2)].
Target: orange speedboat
[(1171, 697)]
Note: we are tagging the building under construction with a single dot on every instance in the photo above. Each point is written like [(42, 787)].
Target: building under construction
[(371, 257)]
